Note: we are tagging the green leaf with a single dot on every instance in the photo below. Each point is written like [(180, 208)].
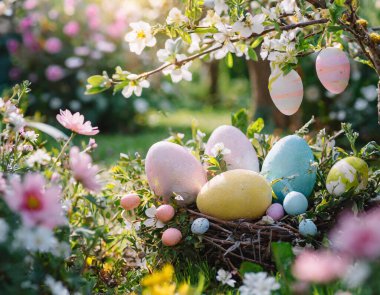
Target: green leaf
[(230, 60), (240, 120), (96, 90), (247, 267), (211, 30), (95, 80), (283, 257), (255, 127), (257, 42), (119, 87), (252, 54), (334, 28)]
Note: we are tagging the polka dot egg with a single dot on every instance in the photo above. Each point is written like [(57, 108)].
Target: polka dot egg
[(200, 226), (295, 203)]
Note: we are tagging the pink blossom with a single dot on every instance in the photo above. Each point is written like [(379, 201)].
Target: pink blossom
[(71, 29), (83, 170), (319, 267), (26, 23), (30, 4), (116, 29), (54, 73), (93, 16), (53, 45), (76, 123), (13, 46), (358, 237), (36, 204), (30, 41)]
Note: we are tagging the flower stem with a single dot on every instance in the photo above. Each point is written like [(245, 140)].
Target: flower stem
[(63, 149)]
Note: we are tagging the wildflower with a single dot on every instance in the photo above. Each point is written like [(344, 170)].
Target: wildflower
[(56, 287), (75, 123), (152, 220), (165, 275), (54, 73), (223, 37), (38, 239), (225, 278), (135, 86), (249, 25), (4, 229), (30, 135), (220, 149), (140, 37), (71, 29), (176, 17), (83, 170), (17, 121), (36, 204), (258, 283), (38, 157), (53, 45)]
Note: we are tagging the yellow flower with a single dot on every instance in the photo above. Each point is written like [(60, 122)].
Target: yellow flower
[(107, 267), (165, 275), (183, 289), (163, 289)]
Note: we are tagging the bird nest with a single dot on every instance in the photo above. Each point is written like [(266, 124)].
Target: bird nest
[(245, 240)]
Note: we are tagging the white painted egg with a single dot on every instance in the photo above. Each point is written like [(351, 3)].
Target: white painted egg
[(240, 152), (171, 169), (200, 226), (333, 69), (287, 92)]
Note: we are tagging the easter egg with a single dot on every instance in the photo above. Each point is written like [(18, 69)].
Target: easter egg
[(286, 92), (130, 201), (200, 226), (165, 213), (235, 194), (307, 228), (289, 165), (171, 169), (276, 211), (295, 203), (348, 173), (333, 69), (171, 237), (241, 153)]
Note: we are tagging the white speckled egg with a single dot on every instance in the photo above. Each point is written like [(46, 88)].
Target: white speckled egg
[(287, 92), (333, 69), (295, 203), (171, 237), (242, 155), (200, 226), (171, 168), (307, 228)]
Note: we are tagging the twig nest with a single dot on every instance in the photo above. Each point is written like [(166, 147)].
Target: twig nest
[(200, 226), (276, 211), (130, 201), (307, 228), (348, 173), (171, 237), (165, 213), (295, 203), (286, 91), (171, 168), (240, 152), (333, 69)]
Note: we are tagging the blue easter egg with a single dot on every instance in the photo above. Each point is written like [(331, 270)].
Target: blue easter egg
[(200, 226), (295, 203), (307, 228), (290, 163)]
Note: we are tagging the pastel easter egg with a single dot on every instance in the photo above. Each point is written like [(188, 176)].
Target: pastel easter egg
[(130, 201), (165, 213), (307, 228), (333, 69), (171, 237), (171, 169), (276, 211), (348, 173), (289, 163), (235, 194), (200, 226), (286, 92), (241, 153), (295, 203)]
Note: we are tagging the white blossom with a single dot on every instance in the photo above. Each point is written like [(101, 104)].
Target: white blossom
[(225, 278), (288, 6), (220, 149), (211, 19), (56, 287), (223, 37), (152, 221), (258, 284), (31, 135), (356, 275), (134, 86), (176, 17), (195, 43), (179, 72), (249, 25), (4, 229), (168, 54), (16, 120), (140, 37), (38, 157), (220, 6), (272, 13), (40, 239)]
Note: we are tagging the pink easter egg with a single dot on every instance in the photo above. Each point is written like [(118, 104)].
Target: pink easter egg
[(171, 237), (130, 201), (276, 211), (333, 69), (165, 213), (287, 92)]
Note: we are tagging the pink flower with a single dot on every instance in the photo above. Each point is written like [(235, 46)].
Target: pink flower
[(13, 46), (30, 41), (36, 204), (54, 73), (53, 45), (76, 123), (26, 23), (319, 267), (358, 237), (71, 29), (30, 4), (83, 170), (93, 16)]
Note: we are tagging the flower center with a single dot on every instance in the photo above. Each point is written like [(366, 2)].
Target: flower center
[(141, 34), (33, 202)]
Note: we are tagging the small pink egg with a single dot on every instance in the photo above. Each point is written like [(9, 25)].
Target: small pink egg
[(333, 69), (165, 213), (130, 201), (276, 211), (171, 237)]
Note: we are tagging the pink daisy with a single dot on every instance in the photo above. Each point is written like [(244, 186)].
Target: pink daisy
[(76, 123), (36, 204)]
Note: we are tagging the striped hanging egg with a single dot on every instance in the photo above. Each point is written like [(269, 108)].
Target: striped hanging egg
[(333, 69), (287, 92)]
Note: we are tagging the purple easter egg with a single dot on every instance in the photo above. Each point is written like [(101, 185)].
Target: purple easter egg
[(276, 211)]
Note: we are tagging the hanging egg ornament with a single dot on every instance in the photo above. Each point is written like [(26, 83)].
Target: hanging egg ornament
[(171, 237), (275, 211), (165, 213), (200, 226), (333, 69), (307, 228), (286, 92), (130, 201)]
